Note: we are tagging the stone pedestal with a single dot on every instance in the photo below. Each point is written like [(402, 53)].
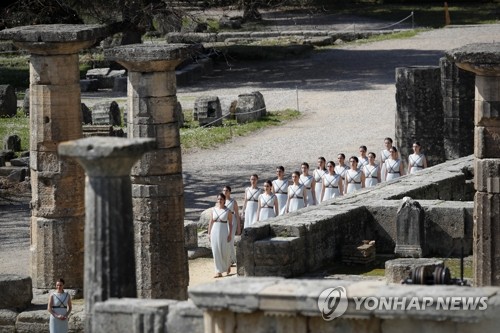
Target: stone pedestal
[(109, 229), (157, 190), (57, 183), (410, 230), (419, 115), (484, 61)]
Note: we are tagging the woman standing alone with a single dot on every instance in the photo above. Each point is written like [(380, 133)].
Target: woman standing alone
[(59, 308)]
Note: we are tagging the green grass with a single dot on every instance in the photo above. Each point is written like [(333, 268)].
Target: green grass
[(426, 15), (19, 125), (193, 136)]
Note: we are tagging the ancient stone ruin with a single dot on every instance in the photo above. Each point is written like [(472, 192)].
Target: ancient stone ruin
[(207, 111), (288, 246)]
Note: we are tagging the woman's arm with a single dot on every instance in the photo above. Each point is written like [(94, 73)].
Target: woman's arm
[(258, 207), (276, 207), (313, 191), (425, 161), (69, 307), (363, 179), (305, 196), (230, 221), (341, 186), (236, 216), (322, 189)]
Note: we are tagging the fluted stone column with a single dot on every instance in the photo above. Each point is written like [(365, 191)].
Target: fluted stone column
[(484, 61), (57, 183), (157, 190), (109, 228)]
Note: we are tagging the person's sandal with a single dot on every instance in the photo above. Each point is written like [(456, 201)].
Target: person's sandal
[(219, 275)]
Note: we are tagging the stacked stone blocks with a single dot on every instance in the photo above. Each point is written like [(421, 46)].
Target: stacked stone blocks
[(157, 190), (484, 61), (57, 183)]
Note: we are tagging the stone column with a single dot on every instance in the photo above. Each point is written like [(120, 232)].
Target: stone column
[(57, 183), (109, 229), (457, 88), (419, 114), (484, 61), (157, 190)]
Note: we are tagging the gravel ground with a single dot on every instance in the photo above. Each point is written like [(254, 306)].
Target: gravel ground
[(345, 94)]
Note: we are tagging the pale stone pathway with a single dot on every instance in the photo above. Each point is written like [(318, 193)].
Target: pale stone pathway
[(346, 96)]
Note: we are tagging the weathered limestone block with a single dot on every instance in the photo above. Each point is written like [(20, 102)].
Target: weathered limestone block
[(89, 85), (398, 270), (120, 84), (166, 134), (54, 195), (12, 142), (32, 321), (153, 84), (8, 321), (15, 291), (190, 234), (487, 239), (487, 142), (410, 240), (155, 110), (49, 232), (8, 101), (487, 175), (448, 228), (207, 110), (185, 317), (419, 115), (487, 113), (124, 315), (245, 256), (250, 107)]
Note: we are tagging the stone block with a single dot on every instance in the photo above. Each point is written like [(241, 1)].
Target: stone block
[(154, 186), (58, 195), (207, 111), (158, 163), (250, 107), (447, 228), (166, 135), (131, 315), (8, 321), (185, 317), (18, 175), (487, 239), (190, 234), (487, 142), (56, 114), (487, 175), (155, 84), (487, 113), (20, 162), (278, 251), (15, 291), (89, 85), (12, 142), (66, 74), (120, 84), (410, 238), (47, 251), (95, 73), (154, 110), (154, 210), (398, 270), (33, 321), (487, 88)]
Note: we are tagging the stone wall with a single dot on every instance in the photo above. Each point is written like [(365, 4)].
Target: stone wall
[(308, 239)]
